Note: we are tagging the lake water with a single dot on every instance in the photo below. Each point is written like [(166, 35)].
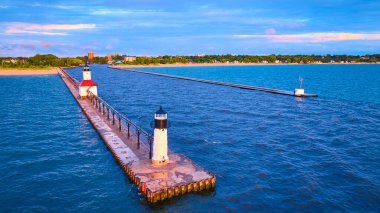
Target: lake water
[(269, 152)]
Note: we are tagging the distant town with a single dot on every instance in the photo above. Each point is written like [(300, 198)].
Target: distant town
[(49, 60)]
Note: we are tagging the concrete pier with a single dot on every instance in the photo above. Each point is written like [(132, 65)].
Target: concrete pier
[(157, 183), (240, 86)]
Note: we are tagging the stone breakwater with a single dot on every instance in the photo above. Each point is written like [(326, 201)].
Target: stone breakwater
[(156, 182)]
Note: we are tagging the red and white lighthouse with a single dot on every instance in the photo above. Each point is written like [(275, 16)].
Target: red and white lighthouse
[(87, 84)]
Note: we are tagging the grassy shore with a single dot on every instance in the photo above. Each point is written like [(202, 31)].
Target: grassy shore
[(28, 71)]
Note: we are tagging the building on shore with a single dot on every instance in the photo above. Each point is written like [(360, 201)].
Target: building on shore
[(109, 59), (90, 56), (129, 58)]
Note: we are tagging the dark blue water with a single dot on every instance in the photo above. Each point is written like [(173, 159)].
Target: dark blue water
[(268, 151), (51, 158), (350, 82)]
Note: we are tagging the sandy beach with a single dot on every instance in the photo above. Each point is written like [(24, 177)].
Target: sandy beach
[(12, 72)]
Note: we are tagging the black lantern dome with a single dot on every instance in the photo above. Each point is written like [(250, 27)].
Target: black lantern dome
[(161, 111), (86, 68), (161, 119)]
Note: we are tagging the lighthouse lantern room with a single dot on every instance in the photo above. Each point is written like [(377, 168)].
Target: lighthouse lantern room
[(160, 141), (87, 84)]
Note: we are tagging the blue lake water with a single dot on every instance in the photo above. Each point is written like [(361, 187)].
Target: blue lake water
[(268, 151), (350, 82)]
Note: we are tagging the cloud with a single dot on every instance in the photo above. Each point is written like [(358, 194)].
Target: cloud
[(270, 31), (109, 47), (62, 7), (45, 44), (222, 12), (124, 12), (314, 37), (55, 6), (4, 7), (44, 29), (17, 31), (88, 47)]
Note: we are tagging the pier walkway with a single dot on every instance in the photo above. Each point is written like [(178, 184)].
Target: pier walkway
[(241, 86), (131, 147)]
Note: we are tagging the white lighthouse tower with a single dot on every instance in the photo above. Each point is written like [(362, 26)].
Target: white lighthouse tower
[(160, 141), (87, 84)]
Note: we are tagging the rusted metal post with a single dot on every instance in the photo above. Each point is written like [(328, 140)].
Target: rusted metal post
[(100, 106), (96, 102)]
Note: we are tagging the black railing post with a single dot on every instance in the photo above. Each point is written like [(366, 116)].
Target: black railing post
[(96, 102), (108, 113), (100, 106), (138, 138), (128, 125), (113, 117), (119, 123)]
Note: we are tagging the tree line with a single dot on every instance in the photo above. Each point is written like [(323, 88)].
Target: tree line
[(40, 61), (50, 60), (305, 59)]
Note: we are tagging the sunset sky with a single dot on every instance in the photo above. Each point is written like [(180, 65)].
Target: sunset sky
[(153, 27)]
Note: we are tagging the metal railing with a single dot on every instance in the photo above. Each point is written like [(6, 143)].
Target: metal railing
[(125, 126), (68, 76)]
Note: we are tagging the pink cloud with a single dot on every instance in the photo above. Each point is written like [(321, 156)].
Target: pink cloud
[(314, 37), (45, 44), (270, 31), (44, 29)]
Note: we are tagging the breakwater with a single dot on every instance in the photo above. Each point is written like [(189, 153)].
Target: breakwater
[(240, 86), (132, 148)]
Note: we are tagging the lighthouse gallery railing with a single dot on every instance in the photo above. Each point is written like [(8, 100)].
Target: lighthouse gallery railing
[(125, 126)]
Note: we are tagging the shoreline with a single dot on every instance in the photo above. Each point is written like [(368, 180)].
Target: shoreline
[(229, 64), (27, 72)]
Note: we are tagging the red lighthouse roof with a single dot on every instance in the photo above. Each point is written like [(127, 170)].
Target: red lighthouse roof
[(87, 83)]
